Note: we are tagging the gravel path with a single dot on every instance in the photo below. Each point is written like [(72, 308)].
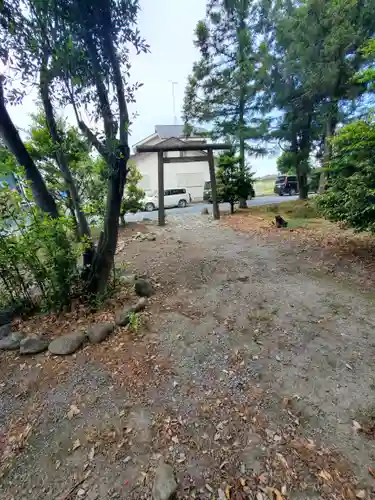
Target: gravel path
[(246, 373)]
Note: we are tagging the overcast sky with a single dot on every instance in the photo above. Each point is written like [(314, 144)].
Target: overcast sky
[(168, 27)]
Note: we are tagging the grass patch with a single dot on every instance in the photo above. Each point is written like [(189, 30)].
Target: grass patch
[(264, 187), (298, 213)]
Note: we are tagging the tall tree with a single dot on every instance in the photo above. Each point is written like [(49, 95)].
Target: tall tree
[(221, 90), (82, 61)]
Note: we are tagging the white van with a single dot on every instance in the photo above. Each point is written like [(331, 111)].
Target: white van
[(178, 197)]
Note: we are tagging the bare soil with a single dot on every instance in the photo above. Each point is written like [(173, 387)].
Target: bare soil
[(246, 374)]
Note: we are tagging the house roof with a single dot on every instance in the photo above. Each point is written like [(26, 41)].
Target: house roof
[(166, 131)]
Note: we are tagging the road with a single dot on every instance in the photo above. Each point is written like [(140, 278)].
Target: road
[(197, 207)]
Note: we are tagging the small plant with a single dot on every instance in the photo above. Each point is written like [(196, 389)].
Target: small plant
[(132, 201), (234, 184), (133, 321)]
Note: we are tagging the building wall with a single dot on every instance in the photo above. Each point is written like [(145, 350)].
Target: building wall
[(191, 176)]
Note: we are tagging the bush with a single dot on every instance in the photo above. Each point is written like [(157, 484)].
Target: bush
[(38, 265), (233, 184), (350, 197), (132, 201)]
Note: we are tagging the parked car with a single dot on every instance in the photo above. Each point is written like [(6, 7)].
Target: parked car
[(286, 184), (207, 192), (178, 197)]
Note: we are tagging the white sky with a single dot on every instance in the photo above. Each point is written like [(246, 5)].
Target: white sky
[(168, 27)]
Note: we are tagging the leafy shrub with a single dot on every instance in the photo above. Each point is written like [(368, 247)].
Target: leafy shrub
[(38, 264), (350, 197), (233, 183), (132, 201)]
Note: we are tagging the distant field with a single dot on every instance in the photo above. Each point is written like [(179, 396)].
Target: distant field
[(264, 186)]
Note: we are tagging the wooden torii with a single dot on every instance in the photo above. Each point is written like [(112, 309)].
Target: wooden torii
[(209, 157)]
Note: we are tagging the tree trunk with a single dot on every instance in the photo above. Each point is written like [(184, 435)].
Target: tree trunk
[(232, 207), (242, 101), (330, 128), (103, 261), (104, 258), (13, 142), (83, 227)]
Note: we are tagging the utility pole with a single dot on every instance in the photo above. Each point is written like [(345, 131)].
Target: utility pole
[(174, 102)]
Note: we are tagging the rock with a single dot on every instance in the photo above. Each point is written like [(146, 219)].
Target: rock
[(140, 305), (127, 279), (165, 484), (100, 332), (151, 237), (67, 344), (5, 330), (143, 288), (33, 345), (205, 211), (11, 342), (122, 317)]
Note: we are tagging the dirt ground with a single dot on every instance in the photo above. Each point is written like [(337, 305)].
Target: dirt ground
[(251, 373)]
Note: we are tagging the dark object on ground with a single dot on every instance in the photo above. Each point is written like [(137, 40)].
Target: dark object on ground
[(143, 288), (205, 211), (280, 222)]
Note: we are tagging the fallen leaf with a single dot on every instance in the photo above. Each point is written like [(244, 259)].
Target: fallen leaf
[(371, 472), (175, 439), (73, 411), (76, 444), (360, 494), (227, 492), (325, 475), (282, 460), (91, 454), (221, 495), (208, 487), (356, 425), (272, 493)]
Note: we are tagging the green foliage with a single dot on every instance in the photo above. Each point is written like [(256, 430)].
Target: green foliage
[(133, 321), (38, 265), (286, 163), (132, 201), (233, 184), (350, 196), (221, 90)]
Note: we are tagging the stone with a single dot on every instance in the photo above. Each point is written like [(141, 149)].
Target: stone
[(11, 342), (151, 237), (127, 279), (33, 345), (100, 332), (165, 484), (5, 330), (140, 421), (122, 317), (205, 211), (143, 288), (67, 344)]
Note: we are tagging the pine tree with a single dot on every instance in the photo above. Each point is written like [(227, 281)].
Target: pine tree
[(222, 90)]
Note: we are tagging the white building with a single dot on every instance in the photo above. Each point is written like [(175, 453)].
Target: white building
[(191, 175)]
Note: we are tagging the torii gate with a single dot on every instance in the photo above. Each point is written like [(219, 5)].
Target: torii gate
[(209, 157)]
